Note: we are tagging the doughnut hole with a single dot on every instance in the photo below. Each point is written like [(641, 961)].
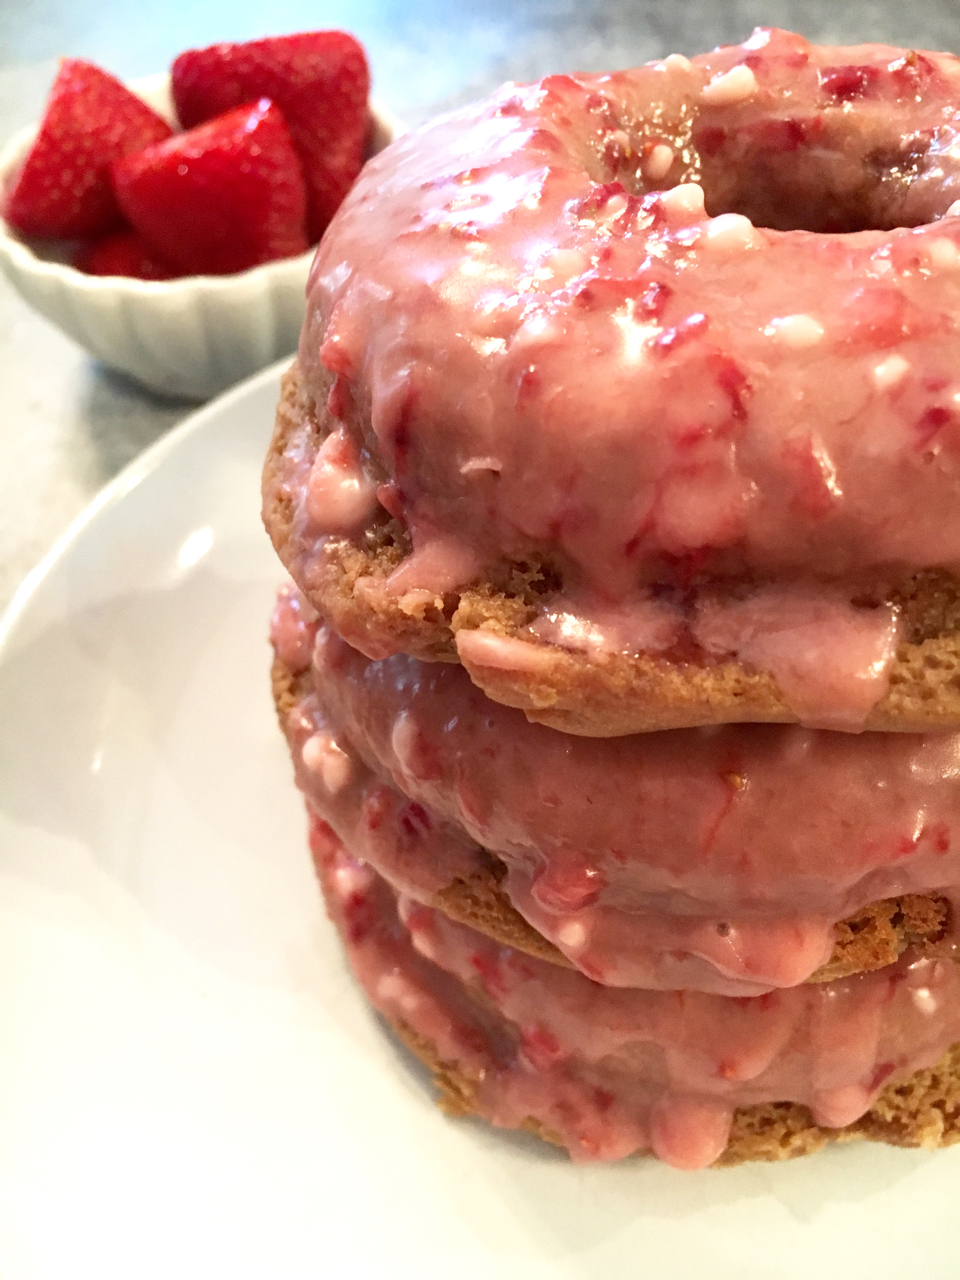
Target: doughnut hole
[(818, 173), (809, 148), (833, 148)]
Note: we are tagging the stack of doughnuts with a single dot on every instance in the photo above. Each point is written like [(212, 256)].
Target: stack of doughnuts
[(618, 477)]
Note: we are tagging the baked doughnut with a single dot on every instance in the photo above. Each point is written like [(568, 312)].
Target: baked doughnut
[(691, 1078), (637, 394), (735, 860)]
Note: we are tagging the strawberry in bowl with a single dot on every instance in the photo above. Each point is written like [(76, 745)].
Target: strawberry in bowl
[(168, 226), (220, 198), (318, 79), (63, 188)]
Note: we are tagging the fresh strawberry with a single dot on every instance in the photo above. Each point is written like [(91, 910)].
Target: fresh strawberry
[(318, 79), (63, 189), (124, 253), (220, 198)]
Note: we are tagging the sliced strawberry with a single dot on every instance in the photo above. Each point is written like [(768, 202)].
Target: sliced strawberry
[(124, 253), (318, 79), (219, 198), (63, 189)]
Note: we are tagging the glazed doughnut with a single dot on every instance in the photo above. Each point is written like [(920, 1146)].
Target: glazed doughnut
[(637, 394), (656, 861), (606, 1073)]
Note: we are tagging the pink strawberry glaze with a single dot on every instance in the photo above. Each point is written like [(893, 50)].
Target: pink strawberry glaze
[(614, 1072), (293, 628), (714, 860), (552, 347)]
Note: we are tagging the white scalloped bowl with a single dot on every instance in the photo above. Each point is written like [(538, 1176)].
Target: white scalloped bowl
[(190, 337)]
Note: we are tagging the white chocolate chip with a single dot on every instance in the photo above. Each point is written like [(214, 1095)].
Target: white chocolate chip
[(732, 231), (312, 751), (538, 328), (350, 879), (330, 763), (658, 163), (404, 740), (925, 1000), (480, 464), (736, 85), (339, 497), (564, 264), (795, 331), (572, 934), (676, 62), (425, 944), (390, 987), (684, 200), (759, 38), (943, 253), (890, 371)]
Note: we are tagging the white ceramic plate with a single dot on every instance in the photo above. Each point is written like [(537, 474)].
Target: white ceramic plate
[(190, 1084)]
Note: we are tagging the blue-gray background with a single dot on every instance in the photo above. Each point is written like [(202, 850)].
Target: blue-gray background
[(431, 52), (67, 426)]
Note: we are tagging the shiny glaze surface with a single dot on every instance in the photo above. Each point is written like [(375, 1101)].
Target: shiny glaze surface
[(613, 1072), (544, 344), (714, 859)]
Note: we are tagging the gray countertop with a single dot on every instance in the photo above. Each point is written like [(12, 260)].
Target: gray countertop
[(67, 425)]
